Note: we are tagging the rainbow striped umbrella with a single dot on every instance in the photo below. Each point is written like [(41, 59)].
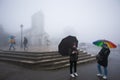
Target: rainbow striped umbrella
[(102, 42)]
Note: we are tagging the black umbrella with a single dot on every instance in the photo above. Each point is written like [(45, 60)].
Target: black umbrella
[(66, 44)]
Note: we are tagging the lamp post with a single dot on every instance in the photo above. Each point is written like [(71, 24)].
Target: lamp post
[(21, 26)]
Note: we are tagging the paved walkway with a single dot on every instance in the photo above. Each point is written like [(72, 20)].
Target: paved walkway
[(9, 71)]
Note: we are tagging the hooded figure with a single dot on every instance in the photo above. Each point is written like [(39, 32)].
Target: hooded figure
[(103, 61), (104, 53)]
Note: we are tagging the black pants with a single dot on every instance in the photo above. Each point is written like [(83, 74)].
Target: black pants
[(73, 65), (25, 46)]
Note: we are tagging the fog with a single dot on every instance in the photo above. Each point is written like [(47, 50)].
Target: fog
[(89, 20)]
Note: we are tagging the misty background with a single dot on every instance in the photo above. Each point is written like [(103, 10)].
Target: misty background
[(88, 20)]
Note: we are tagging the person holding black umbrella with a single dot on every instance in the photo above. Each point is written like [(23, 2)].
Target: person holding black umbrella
[(68, 47), (73, 52)]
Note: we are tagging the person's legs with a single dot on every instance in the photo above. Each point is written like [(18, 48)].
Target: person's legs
[(105, 73), (75, 68), (13, 47), (71, 66), (10, 46), (24, 46), (99, 70)]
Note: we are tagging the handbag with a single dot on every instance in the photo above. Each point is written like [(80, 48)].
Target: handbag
[(99, 57)]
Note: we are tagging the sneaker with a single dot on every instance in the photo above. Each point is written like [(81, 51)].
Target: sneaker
[(75, 74), (99, 75), (72, 75), (104, 77)]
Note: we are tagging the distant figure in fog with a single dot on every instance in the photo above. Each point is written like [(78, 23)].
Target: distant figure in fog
[(12, 43), (102, 60), (25, 42), (73, 60)]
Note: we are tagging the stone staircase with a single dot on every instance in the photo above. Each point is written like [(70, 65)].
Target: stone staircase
[(45, 60)]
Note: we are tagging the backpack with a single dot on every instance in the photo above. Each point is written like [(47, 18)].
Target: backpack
[(12, 41)]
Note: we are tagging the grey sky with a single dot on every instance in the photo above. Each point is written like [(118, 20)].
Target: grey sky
[(89, 19)]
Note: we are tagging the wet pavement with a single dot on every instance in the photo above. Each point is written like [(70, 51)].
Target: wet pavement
[(87, 71)]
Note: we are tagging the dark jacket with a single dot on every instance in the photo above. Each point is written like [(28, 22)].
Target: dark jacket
[(104, 53), (25, 41), (73, 52)]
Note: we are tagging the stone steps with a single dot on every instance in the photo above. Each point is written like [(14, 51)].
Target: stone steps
[(63, 62), (29, 53), (67, 65), (46, 60), (39, 59)]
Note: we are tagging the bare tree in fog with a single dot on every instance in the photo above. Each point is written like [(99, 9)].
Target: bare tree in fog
[(3, 37)]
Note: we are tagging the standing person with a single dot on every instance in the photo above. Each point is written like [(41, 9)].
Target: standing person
[(25, 42), (102, 61), (12, 43), (73, 60)]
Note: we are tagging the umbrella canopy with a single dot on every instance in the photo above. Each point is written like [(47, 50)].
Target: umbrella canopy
[(102, 42), (66, 44), (11, 37)]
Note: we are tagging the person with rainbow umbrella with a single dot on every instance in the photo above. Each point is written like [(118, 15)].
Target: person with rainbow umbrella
[(102, 56)]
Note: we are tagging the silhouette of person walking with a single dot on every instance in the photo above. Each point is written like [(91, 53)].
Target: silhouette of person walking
[(12, 43), (25, 42)]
